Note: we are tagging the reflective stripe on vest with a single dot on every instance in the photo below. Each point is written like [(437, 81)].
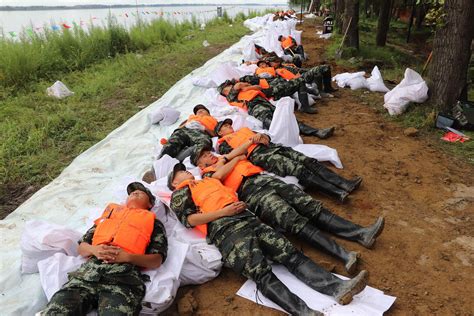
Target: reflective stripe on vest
[(206, 120), (238, 138), (127, 228), (286, 74), (287, 42), (268, 70), (209, 195)]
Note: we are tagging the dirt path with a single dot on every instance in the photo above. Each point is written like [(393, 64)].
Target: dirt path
[(425, 256)]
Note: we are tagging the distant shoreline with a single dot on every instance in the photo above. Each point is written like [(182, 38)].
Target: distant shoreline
[(118, 6)]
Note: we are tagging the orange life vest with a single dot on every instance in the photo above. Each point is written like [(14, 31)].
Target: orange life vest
[(287, 42), (286, 74), (238, 138), (268, 70), (246, 96), (243, 168), (127, 228), (206, 120), (209, 195), (263, 83)]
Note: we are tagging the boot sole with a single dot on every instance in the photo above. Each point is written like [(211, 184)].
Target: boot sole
[(371, 242), (356, 289)]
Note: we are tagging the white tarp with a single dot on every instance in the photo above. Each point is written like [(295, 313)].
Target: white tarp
[(369, 302)]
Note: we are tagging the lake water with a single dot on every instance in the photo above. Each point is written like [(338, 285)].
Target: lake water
[(14, 22)]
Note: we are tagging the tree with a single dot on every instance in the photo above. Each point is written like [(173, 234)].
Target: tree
[(383, 23), (351, 15), (339, 18), (451, 53)]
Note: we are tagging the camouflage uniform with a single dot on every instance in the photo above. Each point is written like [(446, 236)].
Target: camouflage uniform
[(245, 243), (282, 161), (314, 74), (114, 289), (183, 138), (277, 203), (279, 87)]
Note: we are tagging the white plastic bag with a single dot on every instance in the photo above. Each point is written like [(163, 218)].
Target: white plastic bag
[(59, 90), (354, 80), (411, 89), (41, 240), (165, 116), (284, 127), (375, 82)]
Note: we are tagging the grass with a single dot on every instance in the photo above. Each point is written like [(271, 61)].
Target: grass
[(392, 61), (41, 135)]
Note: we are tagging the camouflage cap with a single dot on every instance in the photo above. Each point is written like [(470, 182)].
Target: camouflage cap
[(199, 107), (134, 186), (219, 125), (177, 167), (197, 152)]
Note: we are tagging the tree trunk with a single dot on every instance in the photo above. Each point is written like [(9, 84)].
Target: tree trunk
[(451, 54), (383, 23), (339, 20), (352, 11), (420, 15), (412, 16), (314, 6), (366, 9)]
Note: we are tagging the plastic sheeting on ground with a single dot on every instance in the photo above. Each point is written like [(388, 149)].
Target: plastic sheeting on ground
[(370, 302), (411, 89), (59, 90)]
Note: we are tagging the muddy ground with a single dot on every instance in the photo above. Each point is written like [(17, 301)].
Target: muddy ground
[(425, 255)]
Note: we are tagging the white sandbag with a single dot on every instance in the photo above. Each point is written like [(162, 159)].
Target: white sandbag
[(321, 153), (204, 82), (284, 127), (165, 116), (354, 80), (249, 52), (59, 90), (297, 36), (375, 82), (411, 89), (41, 239)]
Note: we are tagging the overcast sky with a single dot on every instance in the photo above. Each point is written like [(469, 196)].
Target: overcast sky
[(111, 2)]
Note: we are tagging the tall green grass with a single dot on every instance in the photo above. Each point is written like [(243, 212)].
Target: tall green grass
[(47, 55)]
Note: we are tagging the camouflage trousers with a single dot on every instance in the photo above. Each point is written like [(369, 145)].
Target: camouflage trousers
[(284, 88), (78, 297), (282, 161), (281, 205), (317, 74), (250, 251), (262, 110), (183, 138)]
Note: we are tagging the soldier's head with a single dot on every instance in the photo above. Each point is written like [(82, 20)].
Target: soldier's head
[(224, 128), (225, 87), (281, 38), (274, 62), (139, 196), (178, 175), (204, 158), (201, 110), (262, 63)]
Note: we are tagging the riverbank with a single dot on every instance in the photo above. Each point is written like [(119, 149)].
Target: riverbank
[(41, 135)]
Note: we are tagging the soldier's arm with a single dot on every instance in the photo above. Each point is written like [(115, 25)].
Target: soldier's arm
[(224, 148), (223, 171), (241, 150)]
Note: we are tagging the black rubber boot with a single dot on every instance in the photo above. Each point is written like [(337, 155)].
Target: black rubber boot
[(168, 150), (272, 288), (339, 226), (312, 180), (316, 238), (327, 82), (305, 107), (324, 282), (185, 153), (339, 181), (311, 131)]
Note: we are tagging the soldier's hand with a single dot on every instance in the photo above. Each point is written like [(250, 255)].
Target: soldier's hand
[(105, 252), (241, 157), (235, 208), (121, 257)]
